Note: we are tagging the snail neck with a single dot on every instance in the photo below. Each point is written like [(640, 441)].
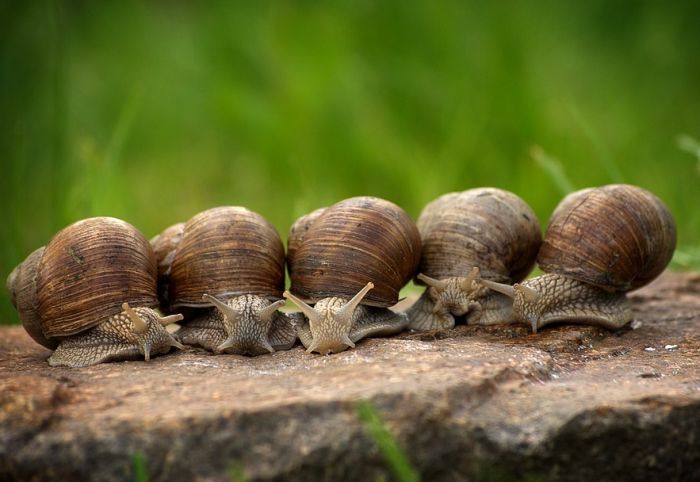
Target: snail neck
[(332, 325), (117, 338), (553, 298)]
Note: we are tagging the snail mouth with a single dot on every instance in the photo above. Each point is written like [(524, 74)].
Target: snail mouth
[(245, 347), (327, 347)]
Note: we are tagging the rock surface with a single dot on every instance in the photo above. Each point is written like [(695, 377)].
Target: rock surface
[(473, 403)]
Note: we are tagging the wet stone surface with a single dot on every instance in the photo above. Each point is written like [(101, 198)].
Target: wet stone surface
[(473, 403)]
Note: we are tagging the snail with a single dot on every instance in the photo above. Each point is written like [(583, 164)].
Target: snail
[(600, 244), (164, 246), (230, 258), (89, 295), (484, 233), (349, 261)]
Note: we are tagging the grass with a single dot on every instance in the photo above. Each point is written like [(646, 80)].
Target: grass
[(395, 458), (554, 169), (284, 107), (140, 467)]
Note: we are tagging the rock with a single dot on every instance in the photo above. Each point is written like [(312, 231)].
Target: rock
[(473, 403)]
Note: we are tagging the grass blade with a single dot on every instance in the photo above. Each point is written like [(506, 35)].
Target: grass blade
[(690, 145), (552, 167), (398, 461), (687, 259), (140, 469), (604, 157)]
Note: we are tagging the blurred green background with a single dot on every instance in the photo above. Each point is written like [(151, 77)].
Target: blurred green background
[(154, 111)]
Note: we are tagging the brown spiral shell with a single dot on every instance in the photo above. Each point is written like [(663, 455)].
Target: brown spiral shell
[(225, 252), (88, 270), (22, 287), (164, 246), (618, 237), (355, 241), (489, 228), (297, 233)]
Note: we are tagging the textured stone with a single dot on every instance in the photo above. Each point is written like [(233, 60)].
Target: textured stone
[(472, 403)]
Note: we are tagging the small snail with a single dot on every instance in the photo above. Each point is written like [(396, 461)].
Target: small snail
[(233, 259), (89, 294), (600, 244), (350, 260), (482, 232)]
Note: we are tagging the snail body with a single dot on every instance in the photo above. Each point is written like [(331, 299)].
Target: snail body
[(347, 264), (228, 264), (600, 244), (481, 233), (89, 295)]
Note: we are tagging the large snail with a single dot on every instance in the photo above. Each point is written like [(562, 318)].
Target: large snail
[(483, 232), (349, 261), (230, 258), (89, 294), (600, 244)]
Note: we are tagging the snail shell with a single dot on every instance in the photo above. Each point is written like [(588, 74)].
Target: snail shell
[(350, 260), (618, 237), (227, 252), (233, 259), (164, 246), (297, 233), (600, 243), (485, 232), (22, 287), (489, 228), (73, 295), (357, 240), (88, 270)]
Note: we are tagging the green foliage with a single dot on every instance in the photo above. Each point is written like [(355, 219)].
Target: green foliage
[(140, 468), (153, 111), (395, 458), (237, 474)]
